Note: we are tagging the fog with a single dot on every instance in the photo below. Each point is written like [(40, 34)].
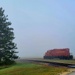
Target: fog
[(40, 25)]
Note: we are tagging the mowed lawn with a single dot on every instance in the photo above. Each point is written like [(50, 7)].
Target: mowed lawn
[(31, 69)]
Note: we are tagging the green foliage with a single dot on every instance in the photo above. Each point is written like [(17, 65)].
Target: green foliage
[(7, 46), (32, 69)]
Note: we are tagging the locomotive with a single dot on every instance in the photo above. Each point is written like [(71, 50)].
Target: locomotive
[(58, 53)]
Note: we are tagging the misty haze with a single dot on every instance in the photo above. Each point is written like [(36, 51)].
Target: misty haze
[(37, 37), (41, 25)]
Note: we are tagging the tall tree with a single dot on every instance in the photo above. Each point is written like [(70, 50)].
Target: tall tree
[(7, 45)]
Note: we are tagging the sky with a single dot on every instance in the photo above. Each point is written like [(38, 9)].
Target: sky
[(40, 25)]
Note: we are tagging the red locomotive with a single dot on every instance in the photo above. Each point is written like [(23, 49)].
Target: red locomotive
[(58, 53)]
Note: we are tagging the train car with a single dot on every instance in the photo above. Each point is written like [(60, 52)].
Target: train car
[(58, 53)]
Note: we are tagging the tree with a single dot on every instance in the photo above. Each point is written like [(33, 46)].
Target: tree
[(7, 45)]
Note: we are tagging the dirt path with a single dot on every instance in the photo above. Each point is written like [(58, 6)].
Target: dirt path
[(69, 71)]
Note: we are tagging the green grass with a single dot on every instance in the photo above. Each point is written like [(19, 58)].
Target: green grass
[(31, 69)]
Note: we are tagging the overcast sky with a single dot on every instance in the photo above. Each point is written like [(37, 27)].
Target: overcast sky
[(40, 25)]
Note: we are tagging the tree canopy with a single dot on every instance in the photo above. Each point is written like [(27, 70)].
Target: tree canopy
[(7, 45)]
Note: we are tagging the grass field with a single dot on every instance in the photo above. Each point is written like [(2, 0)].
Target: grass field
[(32, 69)]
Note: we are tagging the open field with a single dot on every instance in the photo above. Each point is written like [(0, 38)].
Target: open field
[(25, 67), (32, 69)]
